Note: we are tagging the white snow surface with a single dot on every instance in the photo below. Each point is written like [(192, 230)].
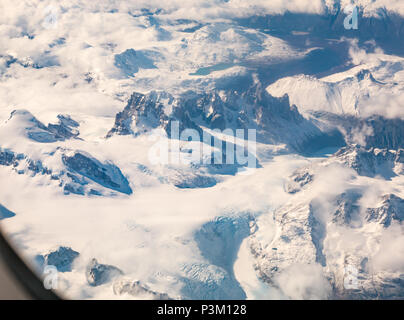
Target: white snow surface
[(189, 243)]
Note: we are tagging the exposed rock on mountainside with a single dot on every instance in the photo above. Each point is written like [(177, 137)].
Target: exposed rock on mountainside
[(297, 241), (275, 120), (80, 170), (347, 211), (62, 258), (107, 174), (22, 164), (137, 290), (131, 61), (294, 236), (366, 162), (299, 179), (275, 212), (370, 162), (391, 209), (98, 274), (189, 181), (5, 213), (371, 132), (376, 20), (23, 120)]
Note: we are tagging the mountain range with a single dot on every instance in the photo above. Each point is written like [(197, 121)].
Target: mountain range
[(85, 103)]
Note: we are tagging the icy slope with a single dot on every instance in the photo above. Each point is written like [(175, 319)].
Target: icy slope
[(85, 97), (349, 92), (338, 223), (251, 108), (74, 171), (366, 162)]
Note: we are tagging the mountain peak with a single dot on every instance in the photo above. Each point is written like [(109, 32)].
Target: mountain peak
[(24, 122), (390, 209)]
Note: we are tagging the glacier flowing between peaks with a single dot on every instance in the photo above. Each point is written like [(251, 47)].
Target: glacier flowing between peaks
[(205, 150)]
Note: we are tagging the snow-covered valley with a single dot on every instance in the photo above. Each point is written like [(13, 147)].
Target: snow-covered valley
[(95, 181)]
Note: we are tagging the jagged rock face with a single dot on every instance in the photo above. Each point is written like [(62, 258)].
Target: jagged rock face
[(5, 213), (252, 108), (366, 162), (37, 131), (387, 133), (98, 274), (9, 158), (130, 61), (137, 289), (347, 210), (240, 109), (62, 259), (379, 132), (298, 180), (106, 174), (294, 236), (369, 162), (81, 169), (297, 241), (67, 127), (29, 62), (183, 180), (369, 284), (146, 112), (142, 113), (382, 25), (391, 209)]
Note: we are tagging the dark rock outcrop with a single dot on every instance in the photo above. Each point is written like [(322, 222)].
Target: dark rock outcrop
[(81, 169), (107, 174), (391, 209), (136, 289), (5, 213), (62, 258), (366, 162), (98, 274), (370, 162), (347, 208), (66, 128), (275, 120), (130, 61)]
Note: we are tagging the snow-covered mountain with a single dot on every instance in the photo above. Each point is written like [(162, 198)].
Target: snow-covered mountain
[(96, 181), (275, 120), (352, 92)]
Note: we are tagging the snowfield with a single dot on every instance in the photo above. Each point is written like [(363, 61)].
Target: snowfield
[(95, 182)]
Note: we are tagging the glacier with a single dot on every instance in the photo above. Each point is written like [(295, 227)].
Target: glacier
[(85, 101)]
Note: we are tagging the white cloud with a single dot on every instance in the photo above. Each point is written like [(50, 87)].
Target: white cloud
[(304, 282), (92, 35), (390, 256), (387, 105), (359, 135)]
